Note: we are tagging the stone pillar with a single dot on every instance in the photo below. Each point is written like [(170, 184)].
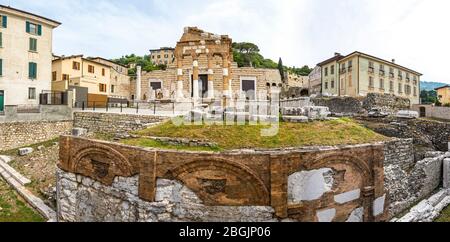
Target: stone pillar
[(210, 78), (179, 93), (226, 80), (138, 83), (195, 87)]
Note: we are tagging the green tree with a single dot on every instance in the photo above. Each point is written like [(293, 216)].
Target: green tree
[(281, 68)]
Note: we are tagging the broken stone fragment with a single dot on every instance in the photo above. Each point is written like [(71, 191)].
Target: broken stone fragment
[(79, 132), (25, 151)]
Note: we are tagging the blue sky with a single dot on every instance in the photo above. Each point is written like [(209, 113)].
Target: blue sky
[(414, 32)]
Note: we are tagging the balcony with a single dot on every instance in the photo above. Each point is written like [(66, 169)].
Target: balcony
[(343, 70), (350, 68), (391, 75), (382, 73), (400, 78), (371, 70)]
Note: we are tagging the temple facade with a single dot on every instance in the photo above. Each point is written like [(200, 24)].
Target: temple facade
[(204, 71)]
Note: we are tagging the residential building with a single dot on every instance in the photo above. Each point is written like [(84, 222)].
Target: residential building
[(25, 56), (162, 56), (315, 81), (443, 94), (92, 78), (119, 88), (358, 74)]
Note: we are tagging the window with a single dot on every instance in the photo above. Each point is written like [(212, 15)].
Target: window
[(391, 72), (371, 84), (350, 65), (382, 70), (332, 84), (382, 84), (166, 56), (400, 75), (391, 86), (102, 87), (1, 67), (91, 69), (343, 68), (332, 70), (407, 89), (371, 67), (54, 76), (159, 56), (407, 76), (415, 91), (76, 65), (32, 70), (33, 44), (326, 71), (158, 85), (326, 85), (31, 93), (3, 21), (65, 77), (1, 40), (103, 72), (400, 88), (112, 88), (32, 28)]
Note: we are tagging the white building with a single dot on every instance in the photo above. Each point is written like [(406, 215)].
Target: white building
[(25, 56)]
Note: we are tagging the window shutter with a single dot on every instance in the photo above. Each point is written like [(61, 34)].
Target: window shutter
[(39, 29), (28, 27), (4, 21), (1, 67), (30, 70), (34, 70), (1, 39)]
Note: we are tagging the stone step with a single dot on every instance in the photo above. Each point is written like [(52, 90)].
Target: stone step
[(31, 199), (14, 174)]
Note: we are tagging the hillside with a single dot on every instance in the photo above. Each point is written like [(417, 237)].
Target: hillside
[(429, 86)]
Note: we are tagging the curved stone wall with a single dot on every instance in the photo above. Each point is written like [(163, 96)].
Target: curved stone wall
[(103, 181)]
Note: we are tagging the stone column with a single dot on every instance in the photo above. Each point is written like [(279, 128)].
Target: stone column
[(138, 83), (226, 80), (210, 78), (447, 173), (195, 86), (179, 92)]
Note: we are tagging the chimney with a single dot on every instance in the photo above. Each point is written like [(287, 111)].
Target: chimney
[(393, 60), (337, 54)]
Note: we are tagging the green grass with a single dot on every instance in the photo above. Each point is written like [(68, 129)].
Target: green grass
[(445, 216), (335, 132), (13, 209)]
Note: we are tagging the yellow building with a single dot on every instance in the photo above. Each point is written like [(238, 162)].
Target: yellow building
[(73, 72), (443, 94), (120, 86), (358, 74), (162, 56)]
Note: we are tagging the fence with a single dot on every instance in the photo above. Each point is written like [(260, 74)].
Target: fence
[(53, 98)]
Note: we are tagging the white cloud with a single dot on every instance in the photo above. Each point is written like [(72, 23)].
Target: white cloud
[(414, 32)]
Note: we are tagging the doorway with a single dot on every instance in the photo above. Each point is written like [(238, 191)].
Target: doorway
[(423, 112), (202, 86), (249, 87), (2, 100)]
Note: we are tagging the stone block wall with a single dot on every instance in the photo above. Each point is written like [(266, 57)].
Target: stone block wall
[(340, 105), (433, 112), (44, 113), (15, 135), (103, 181), (386, 102), (113, 123), (406, 180)]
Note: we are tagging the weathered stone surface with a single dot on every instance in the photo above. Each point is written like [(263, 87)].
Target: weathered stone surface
[(20, 134), (113, 123), (429, 209), (114, 179), (446, 173), (407, 114), (79, 132)]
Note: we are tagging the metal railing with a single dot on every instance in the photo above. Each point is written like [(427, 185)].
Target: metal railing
[(53, 98)]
